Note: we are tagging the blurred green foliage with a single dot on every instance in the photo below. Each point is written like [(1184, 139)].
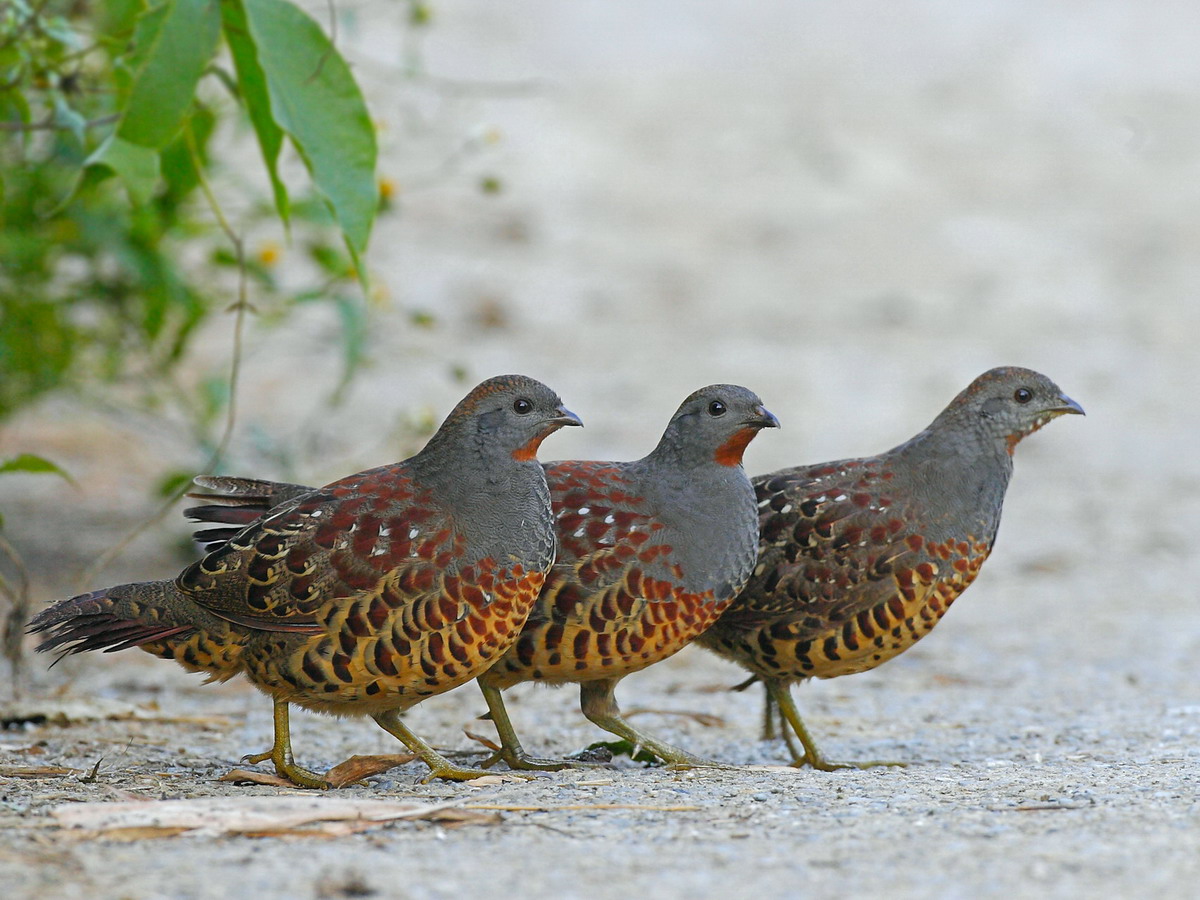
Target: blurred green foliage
[(106, 278), (94, 288), (116, 117)]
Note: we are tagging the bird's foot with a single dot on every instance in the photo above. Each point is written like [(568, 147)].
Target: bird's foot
[(447, 771), (822, 764), (287, 768), (303, 777), (685, 762), (519, 760), (522, 761)]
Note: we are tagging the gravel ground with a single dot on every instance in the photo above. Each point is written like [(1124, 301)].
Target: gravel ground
[(853, 209)]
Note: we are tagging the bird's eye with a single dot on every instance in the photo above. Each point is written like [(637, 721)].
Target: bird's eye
[(522, 407), (1023, 395), (716, 408)]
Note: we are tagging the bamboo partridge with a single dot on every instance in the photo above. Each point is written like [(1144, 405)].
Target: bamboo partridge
[(860, 558), (365, 596)]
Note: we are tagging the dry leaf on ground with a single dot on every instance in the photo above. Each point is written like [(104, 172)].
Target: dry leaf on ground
[(249, 776), (352, 771), (356, 768), (36, 771)]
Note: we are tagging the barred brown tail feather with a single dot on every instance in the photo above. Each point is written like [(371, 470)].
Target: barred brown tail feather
[(93, 621)]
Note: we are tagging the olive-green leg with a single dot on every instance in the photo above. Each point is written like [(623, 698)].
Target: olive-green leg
[(768, 723), (281, 753), (511, 750), (599, 704), (439, 766), (781, 693)]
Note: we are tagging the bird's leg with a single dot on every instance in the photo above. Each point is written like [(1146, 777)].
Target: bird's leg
[(768, 722), (511, 750), (439, 766), (781, 692), (599, 704), (281, 753), (773, 716), (799, 754)]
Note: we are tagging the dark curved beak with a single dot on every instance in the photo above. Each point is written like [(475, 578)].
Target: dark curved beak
[(763, 418), (566, 417), (1067, 405)]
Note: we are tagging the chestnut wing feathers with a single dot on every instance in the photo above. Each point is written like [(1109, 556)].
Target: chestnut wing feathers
[(340, 541), (833, 545)]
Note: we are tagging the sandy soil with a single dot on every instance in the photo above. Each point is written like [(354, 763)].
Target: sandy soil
[(853, 209)]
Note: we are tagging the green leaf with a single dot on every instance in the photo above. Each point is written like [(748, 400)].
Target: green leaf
[(37, 342), (315, 99), (65, 117), (14, 59), (28, 462), (331, 260), (252, 85), (117, 18), (174, 43), (178, 167), (14, 108), (137, 167)]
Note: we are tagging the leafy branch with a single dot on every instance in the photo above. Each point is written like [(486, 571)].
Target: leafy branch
[(102, 95)]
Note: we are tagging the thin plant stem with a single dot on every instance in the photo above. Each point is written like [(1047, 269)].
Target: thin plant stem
[(239, 308), (18, 613)]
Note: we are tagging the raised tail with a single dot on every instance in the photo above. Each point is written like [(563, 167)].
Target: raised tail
[(233, 503), (152, 615)]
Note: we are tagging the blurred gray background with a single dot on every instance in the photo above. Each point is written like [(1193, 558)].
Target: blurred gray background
[(852, 208)]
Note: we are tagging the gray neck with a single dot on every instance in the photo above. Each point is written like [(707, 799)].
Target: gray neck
[(961, 473), (710, 516), (496, 502), (673, 453)]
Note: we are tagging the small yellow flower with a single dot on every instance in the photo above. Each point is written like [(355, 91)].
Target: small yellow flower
[(269, 254), (387, 188)]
